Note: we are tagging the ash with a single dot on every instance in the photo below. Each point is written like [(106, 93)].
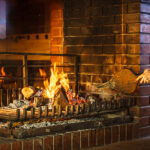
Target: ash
[(18, 104), (56, 123)]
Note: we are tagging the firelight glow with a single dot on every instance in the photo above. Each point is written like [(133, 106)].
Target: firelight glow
[(55, 82), (2, 73)]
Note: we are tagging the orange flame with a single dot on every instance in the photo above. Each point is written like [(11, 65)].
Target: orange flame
[(2, 73), (55, 82)]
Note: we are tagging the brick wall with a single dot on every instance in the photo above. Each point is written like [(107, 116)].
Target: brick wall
[(45, 35), (110, 35), (75, 140), (105, 34), (145, 63)]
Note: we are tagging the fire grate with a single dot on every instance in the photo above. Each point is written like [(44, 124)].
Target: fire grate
[(84, 115)]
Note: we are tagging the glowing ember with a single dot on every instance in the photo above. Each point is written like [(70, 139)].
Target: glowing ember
[(2, 73)]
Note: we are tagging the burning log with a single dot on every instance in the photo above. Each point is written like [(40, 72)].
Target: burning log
[(61, 98)]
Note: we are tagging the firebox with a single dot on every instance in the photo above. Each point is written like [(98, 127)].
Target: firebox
[(31, 109)]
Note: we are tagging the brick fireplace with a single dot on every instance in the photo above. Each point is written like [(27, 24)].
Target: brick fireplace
[(106, 35)]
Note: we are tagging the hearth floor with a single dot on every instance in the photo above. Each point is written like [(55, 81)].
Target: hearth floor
[(140, 144)]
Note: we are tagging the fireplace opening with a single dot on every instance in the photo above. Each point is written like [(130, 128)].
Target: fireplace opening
[(44, 96)]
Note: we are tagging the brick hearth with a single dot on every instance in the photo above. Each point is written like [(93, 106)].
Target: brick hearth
[(75, 140)]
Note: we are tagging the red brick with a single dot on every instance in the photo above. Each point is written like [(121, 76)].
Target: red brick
[(122, 132), (48, 143), (145, 18), (129, 131), (144, 59), (135, 130), (92, 138), (67, 141), (145, 111), (38, 144), (107, 135), (115, 134), (145, 8), (144, 100), (145, 48), (58, 142), (142, 68), (76, 140), (84, 139), (17, 146), (144, 38), (144, 90), (145, 1), (6, 147), (144, 121), (145, 28), (27, 144), (100, 137), (145, 131)]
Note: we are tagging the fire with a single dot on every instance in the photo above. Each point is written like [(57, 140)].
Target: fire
[(55, 82), (2, 73)]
